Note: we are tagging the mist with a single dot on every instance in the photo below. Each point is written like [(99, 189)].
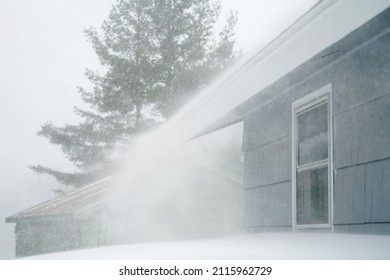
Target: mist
[(44, 55), (167, 195)]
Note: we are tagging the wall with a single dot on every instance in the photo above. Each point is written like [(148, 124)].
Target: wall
[(358, 67), (40, 237)]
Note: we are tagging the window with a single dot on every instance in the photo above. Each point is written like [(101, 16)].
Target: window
[(312, 146)]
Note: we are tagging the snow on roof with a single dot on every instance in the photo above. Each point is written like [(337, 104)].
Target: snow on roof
[(326, 23), (76, 201)]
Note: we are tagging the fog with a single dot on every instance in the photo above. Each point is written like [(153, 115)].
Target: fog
[(43, 56)]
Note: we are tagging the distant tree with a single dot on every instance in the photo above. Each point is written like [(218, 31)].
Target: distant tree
[(157, 54)]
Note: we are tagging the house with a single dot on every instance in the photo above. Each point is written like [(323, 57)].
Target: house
[(315, 110), (315, 105), (59, 224)]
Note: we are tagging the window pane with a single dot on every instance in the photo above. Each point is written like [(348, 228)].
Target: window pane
[(312, 196), (313, 135)]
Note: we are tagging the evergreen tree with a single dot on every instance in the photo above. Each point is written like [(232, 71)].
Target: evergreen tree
[(157, 54)]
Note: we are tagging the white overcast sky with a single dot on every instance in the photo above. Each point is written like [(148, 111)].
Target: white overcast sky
[(43, 55)]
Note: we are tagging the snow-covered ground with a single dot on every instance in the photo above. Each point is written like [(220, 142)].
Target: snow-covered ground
[(272, 246)]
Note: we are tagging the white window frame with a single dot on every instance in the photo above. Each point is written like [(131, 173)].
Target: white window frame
[(314, 99)]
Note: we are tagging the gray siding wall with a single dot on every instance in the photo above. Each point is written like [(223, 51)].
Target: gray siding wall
[(359, 71), (362, 194), (42, 237)]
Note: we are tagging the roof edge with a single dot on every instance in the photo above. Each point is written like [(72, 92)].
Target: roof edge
[(291, 31)]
